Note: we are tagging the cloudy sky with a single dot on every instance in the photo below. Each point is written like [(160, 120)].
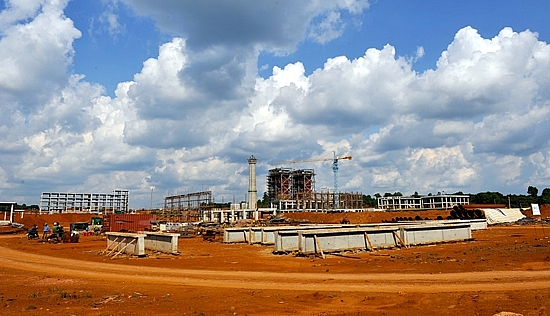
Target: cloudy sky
[(427, 96)]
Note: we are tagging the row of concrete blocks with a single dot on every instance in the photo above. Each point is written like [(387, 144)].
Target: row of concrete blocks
[(335, 238), (138, 243)]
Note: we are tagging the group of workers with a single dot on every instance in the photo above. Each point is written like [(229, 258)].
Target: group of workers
[(56, 231)]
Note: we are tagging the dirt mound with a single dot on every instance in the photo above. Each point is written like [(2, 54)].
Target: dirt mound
[(366, 217), (380, 217), (28, 219)]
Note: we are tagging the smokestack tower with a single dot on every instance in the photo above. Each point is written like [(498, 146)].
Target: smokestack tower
[(252, 194)]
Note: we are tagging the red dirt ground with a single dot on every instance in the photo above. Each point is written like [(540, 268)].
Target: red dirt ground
[(504, 269)]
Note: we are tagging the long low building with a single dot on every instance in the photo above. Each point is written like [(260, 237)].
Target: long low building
[(435, 202)]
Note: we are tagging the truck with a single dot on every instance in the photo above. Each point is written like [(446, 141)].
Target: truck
[(94, 226)]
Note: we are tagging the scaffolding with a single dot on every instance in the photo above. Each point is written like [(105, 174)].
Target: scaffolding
[(186, 207), (303, 181), (286, 183), (325, 201), (279, 182), (295, 189)]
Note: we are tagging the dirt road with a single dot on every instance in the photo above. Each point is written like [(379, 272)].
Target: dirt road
[(265, 280), (503, 269)]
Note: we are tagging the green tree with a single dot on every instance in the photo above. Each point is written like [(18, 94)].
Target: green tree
[(545, 196), (369, 201), (264, 202), (532, 191), (488, 198)]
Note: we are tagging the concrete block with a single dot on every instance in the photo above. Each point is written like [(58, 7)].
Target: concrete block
[(236, 234), (163, 242), (129, 243), (333, 240), (436, 232)]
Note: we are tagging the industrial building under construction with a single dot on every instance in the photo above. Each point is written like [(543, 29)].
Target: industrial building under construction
[(186, 207), (290, 189)]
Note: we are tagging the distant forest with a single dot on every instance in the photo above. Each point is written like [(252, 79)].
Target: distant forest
[(19, 207), (512, 200)]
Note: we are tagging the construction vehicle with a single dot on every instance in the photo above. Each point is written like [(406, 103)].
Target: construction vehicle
[(96, 225), (79, 227)]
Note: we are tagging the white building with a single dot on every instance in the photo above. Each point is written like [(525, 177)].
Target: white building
[(56, 202), (436, 202)]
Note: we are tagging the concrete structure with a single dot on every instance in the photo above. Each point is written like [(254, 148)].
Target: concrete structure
[(265, 235), (283, 184), (128, 243), (234, 214), (475, 224), (252, 193), (99, 203), (341, 239), (137, 243), (345, 238), (334, 238), (171, 226), (428, 234), (290, 189), (436, 202), (163, 242), (8, 208)]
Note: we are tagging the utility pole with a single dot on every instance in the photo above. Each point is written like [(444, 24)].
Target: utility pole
[(151, 206)]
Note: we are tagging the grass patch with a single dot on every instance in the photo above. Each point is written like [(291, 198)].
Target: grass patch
[(63, 294)]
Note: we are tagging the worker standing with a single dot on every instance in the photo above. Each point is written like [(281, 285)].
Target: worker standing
[(45, 231)]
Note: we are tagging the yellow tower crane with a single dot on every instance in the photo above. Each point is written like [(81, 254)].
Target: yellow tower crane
[(334, 170)]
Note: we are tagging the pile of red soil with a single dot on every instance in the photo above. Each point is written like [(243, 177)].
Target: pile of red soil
[(29, 219), (380, 217)]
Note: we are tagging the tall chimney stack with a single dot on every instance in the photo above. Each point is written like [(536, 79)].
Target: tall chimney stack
[(252, 194)]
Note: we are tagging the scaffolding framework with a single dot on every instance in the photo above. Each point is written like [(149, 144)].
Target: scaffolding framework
[(325, 201), (101, 203), (186, 207), (286, 183), (295, 189)]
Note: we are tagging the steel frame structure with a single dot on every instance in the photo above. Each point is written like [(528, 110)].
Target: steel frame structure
[(58, 202), (186, 207)]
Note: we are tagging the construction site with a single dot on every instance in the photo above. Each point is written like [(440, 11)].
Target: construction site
[(311, 253), (294, 190), (493, 270), (289, 190)]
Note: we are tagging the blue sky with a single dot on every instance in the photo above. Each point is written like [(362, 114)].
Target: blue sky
[(132, 94), (429, 24), (385, 22)]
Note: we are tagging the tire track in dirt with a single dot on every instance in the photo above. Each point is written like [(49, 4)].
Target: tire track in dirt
[(344, 282)]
